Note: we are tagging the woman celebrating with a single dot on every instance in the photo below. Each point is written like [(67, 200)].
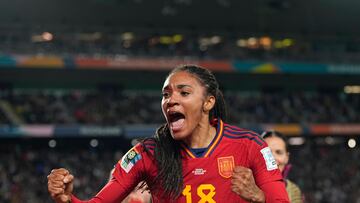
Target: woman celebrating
[(193, 157), (279, 147)]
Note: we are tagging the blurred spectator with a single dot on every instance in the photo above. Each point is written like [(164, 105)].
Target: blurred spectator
[(279, 147), (129, 107)]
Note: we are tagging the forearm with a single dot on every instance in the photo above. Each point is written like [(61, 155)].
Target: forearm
[(113, 192)]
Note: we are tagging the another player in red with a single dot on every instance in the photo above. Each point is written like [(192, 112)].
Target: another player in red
[(194, 157)]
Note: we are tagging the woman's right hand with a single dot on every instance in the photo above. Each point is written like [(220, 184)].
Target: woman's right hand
[(60, 185)]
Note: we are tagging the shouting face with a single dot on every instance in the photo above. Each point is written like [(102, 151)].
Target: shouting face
[(185, 104)]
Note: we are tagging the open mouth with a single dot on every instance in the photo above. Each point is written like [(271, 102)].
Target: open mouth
[(176, 120)]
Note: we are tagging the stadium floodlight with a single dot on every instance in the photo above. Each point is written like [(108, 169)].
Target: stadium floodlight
[(52, 143), (296, 141), (352, 143), (94, 143)]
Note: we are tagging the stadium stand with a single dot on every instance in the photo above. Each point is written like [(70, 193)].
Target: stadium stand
[(110, 42), (134, 107)]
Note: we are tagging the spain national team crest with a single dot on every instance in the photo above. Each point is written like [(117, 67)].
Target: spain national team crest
[(226, 166)]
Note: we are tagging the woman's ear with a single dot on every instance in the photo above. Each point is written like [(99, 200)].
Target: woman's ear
[(209, 103)]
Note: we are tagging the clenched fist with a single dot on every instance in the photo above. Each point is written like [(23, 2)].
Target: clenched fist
[(60, 185), (243, 184)]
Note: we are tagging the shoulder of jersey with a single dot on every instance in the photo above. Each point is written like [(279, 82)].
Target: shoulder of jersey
[(148, 145), (236, 133)]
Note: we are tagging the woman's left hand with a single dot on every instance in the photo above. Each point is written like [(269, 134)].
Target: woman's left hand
[(243, 184)]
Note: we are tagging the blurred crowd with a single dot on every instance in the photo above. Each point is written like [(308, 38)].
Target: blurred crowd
[(326, 174), (156, 42), (132, 107), (23, 169), (293, 107)]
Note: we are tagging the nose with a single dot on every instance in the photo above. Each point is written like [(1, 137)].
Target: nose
[(172, 100)]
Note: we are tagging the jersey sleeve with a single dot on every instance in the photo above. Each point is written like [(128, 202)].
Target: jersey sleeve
[(128, 172), (263, 164), (275, 192), (267, 175), (110, 193)]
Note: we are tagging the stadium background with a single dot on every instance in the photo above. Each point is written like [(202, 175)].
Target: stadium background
[(80, 81)]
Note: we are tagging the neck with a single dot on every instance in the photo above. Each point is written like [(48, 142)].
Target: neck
[(202, 135)]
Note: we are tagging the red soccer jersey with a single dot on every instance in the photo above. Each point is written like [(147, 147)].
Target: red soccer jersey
[(207, 179)]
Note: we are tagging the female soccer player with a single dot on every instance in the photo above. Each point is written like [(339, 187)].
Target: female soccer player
[(193, 157), (279, 147)]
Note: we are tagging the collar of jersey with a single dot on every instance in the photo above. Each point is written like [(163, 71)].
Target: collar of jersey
[(212, 145)]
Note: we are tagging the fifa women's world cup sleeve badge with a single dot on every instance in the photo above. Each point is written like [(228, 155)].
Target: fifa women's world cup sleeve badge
[(129, 159), (226, 166), (269, 159)]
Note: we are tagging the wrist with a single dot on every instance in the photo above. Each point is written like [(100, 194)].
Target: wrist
[(259, 197)]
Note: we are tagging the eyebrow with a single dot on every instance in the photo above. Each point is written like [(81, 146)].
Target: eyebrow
[(180, 86)]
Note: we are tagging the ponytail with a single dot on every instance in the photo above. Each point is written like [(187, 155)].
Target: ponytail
[(169, 163), (219, 110)]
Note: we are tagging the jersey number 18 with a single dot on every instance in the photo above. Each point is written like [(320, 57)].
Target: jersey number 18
[(204, 197)]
